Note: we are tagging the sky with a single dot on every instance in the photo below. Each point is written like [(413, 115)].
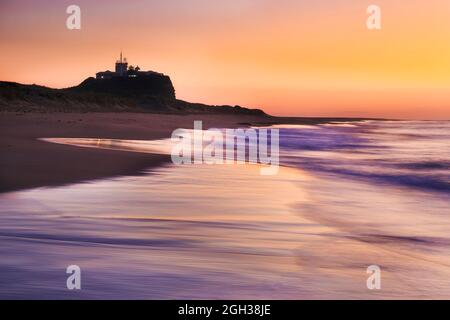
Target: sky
[(288, 57)]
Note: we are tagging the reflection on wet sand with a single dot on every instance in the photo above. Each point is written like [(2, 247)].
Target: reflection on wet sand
[(225, 231), (192, 232), (145, 146)]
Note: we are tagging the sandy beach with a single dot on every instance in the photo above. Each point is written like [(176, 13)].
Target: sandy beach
[(27, 162), (347, 196)]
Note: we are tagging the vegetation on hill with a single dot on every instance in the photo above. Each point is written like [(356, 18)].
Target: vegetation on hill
[(118, 95)]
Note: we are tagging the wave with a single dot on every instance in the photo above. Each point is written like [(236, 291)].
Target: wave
[(406, 153)]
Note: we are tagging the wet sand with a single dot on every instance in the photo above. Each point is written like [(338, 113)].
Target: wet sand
[(28, 163), (302, 234), (161, 236)]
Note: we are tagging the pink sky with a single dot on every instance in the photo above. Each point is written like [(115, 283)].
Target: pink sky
[(287, 57)]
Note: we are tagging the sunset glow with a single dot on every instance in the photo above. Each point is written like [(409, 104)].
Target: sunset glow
[(304, 58)]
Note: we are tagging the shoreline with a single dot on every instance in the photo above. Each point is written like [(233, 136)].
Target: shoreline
[(282, 224), (31, 163)]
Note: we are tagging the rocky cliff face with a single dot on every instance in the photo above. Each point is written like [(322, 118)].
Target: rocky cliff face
[(152, 85)]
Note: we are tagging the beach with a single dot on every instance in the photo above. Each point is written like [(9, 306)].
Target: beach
[(28, 162), (32, 163), (236, 151), (347, 196)]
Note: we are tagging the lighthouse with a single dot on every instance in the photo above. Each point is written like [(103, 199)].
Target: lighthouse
[(121, 66), (122, 71)]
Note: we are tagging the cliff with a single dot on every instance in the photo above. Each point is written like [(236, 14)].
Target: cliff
[(153, 95), (155, 85)]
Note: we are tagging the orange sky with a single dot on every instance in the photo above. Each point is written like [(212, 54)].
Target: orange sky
[(289, 57)]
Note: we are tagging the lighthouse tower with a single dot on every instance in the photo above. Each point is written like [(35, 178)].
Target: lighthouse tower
[(121, 66)]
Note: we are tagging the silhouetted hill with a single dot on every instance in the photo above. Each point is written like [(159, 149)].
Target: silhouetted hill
[(153, 95), (156, 85)]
